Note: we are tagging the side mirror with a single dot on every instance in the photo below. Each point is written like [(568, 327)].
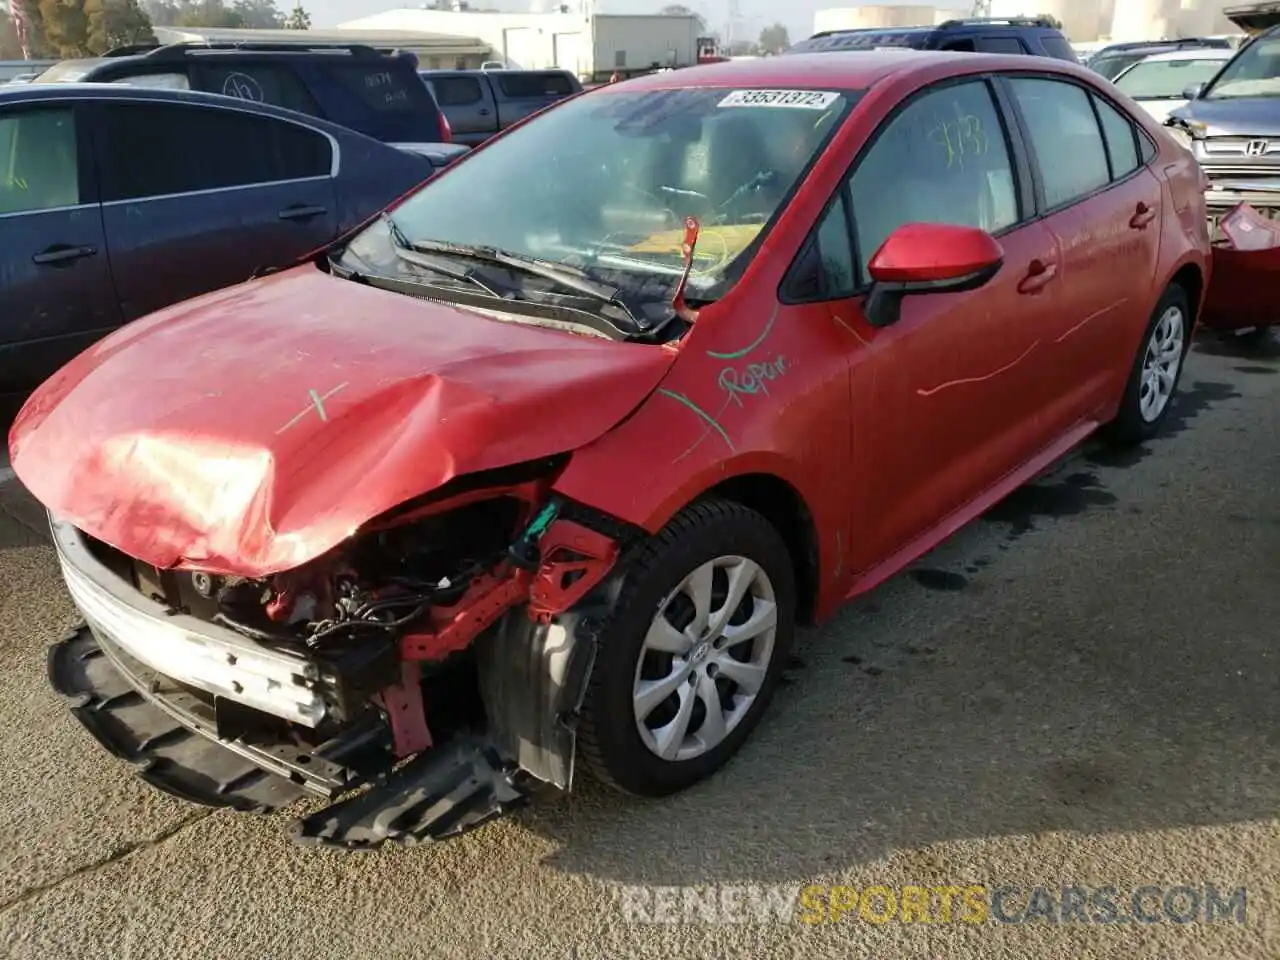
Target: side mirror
[(1193, 92), (923, 258)]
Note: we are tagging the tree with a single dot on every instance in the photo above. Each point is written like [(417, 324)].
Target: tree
[(207, 13), (774, 39), (116, 23), (66, 28), (259, 14), (744, 48), (298, 19), (1051, 20), (678, 10), (10, 44)]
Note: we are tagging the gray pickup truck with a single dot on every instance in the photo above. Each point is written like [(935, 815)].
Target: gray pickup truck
[(480, 103)]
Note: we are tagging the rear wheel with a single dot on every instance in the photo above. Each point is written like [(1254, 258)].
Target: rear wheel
[(1153, 379), (692, 651)]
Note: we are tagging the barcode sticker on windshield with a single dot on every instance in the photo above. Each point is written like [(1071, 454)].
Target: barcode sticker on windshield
[(796, 99)]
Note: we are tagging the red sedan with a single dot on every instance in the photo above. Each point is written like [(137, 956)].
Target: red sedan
[(545, 465)]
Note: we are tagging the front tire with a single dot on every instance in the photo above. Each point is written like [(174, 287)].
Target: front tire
[(691, 651), (1157, 369)]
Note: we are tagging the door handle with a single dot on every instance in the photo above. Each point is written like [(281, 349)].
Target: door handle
[(302, 212), (1142, 216), (62, 253), (1039, 275), (483, 111)]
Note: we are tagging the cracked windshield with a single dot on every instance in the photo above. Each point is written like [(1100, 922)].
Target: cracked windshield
[(604, 183)]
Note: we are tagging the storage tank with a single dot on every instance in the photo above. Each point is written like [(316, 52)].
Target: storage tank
[(871, 17), (1081, 19)]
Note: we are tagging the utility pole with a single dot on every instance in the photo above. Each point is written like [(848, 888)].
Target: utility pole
[(731, 29)]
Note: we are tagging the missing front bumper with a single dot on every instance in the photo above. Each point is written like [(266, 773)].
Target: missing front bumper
[(169, 737)]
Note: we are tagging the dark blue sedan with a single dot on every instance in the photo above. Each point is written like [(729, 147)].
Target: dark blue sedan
[(118, 200)]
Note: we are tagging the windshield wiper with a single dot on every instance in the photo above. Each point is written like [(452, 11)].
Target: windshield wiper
[(564, 276), (405, 251)]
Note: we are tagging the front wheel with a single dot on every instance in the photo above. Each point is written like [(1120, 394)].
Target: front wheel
[(692, 651), (1153, 380)]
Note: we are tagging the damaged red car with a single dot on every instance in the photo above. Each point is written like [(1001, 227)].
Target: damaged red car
[(541, 469)]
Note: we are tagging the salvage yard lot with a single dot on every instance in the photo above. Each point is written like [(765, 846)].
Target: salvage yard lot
[(1081, 688)]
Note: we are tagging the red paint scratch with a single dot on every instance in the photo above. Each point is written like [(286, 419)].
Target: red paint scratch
[(1092, 316), (930, 391)]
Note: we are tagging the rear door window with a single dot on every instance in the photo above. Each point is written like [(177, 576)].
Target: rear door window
[(1059, 49), (270, 83), (1065, 138), (202, 149), (1000, 45), (38, 161)]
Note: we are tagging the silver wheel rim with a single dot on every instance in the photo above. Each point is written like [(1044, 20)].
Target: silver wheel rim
[(1161, 364), (704, 658)]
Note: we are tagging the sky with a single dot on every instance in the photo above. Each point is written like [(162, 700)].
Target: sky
[(795, 15)]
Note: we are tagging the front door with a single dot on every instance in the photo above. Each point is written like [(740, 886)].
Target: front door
[(950, 398), (224, 194), (58, 296)]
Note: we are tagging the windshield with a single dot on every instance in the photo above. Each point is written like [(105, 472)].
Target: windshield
[(603, 183), (1255, 72), (1166, 79)]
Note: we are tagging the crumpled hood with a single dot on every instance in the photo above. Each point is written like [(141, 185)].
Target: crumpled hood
[(253, 429)]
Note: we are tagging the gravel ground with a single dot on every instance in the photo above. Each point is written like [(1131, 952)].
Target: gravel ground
[(1079, 689)]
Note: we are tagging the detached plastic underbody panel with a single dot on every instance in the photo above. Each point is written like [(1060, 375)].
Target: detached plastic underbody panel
[(171, 737)]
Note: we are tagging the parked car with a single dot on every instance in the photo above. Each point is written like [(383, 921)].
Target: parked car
[(1036, 36), (374, 93), (1232, 126), (1160, 82), (480, 103), (552, 458), (123, 200), (1111, 60)]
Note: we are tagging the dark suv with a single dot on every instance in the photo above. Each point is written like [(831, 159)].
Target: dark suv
[(1036, 36), (373, 92)]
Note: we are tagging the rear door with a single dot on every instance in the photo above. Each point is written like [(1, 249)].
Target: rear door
[(58, 296), (1104, 205), (467, 102), (221, 194)]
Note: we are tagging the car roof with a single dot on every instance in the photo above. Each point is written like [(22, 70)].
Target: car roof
[(844, 69), (1203, 53), (31, 93)]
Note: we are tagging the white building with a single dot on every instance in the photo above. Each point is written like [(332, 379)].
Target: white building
[(591, 46), (882, 16)]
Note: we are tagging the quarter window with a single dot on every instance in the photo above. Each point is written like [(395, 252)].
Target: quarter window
[(943, 159), (203, 149), (1064, 136), (38, 166), (1120, 137)]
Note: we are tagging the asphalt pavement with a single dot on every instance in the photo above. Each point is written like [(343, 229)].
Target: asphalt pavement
[(1081, 688)]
